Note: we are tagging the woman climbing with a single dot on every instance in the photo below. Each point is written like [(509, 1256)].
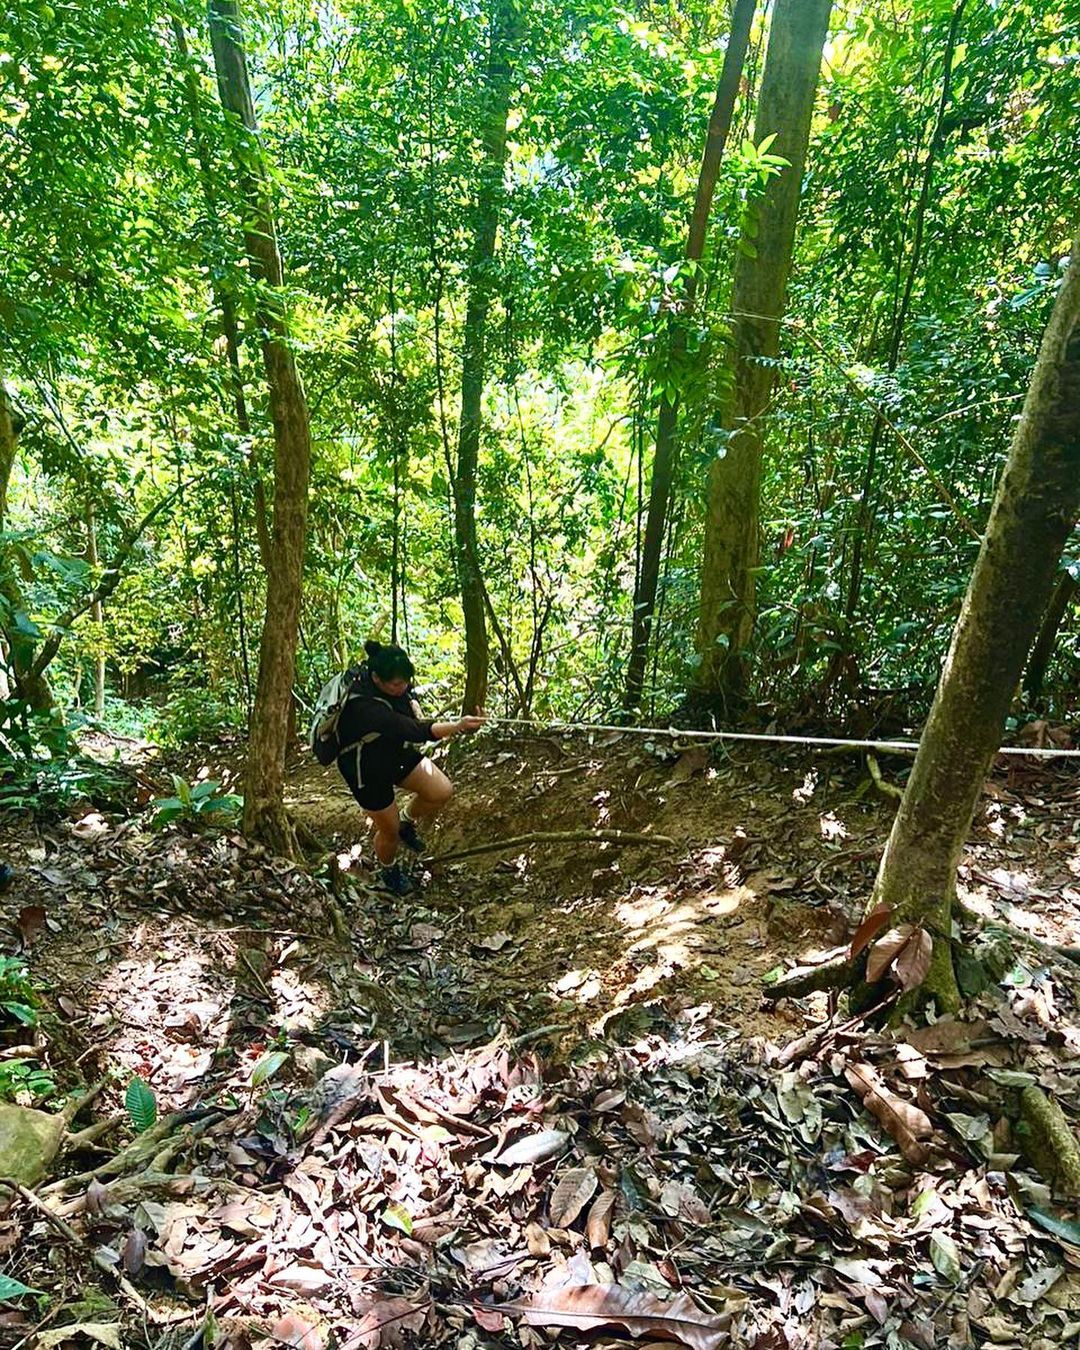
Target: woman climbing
[(377, 729)]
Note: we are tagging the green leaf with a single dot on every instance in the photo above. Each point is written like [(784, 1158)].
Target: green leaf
[(1066, 1229), (397, 1216), (25, 626), (944, 1254), (21, 1012), (141, 1104), (10, 1289), (268, 1066)]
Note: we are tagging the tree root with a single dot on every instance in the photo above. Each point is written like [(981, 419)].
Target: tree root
[(840, 973), (885, 788), (160, 1143), (1048, 1141), (92, 1133), (556, 837)]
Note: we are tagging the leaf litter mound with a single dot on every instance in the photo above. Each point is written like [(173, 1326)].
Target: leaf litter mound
[(443, 1134)]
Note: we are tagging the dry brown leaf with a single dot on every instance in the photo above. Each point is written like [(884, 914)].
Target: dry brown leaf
[(488, 1319), (302, 1277), (690, 762), (31, 919), (874, 922), (383, 1318), (134, 1251), (914, 961), (885, 951), (585, 1307), (598, 1224), (294, 1331), (537, 1241), (534, 1148), (905, 1123), (574, 1191)]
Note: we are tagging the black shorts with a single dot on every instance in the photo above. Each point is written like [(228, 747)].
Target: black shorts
[(373, 775)]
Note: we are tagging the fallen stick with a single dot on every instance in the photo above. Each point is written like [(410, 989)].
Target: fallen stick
[(556, 837), (36, 1202)]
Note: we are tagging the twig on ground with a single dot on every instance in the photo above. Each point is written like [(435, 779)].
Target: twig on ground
[(556, 837), (34, 1200)]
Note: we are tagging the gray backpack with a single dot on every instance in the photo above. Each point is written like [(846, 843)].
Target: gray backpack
[(323, 734)]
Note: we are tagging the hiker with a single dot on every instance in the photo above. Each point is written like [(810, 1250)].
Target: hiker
[(379, 723)]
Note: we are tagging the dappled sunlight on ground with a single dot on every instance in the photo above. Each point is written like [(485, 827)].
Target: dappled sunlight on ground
[(400, 1096)]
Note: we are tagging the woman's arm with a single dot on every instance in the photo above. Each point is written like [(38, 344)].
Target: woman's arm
[(442, 731)]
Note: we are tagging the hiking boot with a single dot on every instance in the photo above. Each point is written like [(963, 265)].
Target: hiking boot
[(395, 880), (410, 836)]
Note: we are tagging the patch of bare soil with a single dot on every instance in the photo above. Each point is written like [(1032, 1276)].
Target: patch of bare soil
[(542, 1100)]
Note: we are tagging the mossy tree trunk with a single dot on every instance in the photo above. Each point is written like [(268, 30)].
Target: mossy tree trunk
[(667, 422), (785, 106), (265, 817), (1034, 509)]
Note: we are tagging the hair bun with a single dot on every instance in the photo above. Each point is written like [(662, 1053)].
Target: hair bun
[(372, 647)]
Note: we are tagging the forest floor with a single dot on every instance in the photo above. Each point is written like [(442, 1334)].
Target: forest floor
[(543, 1100)]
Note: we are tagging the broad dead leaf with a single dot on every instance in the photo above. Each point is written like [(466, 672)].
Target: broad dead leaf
[(598, 1224), (914, 961), (534, 1148), (585, 1307), (885, 951), (294, 1331), (874, 922), (101, 1333), (574, 1191), (383, 1318), (690, 762), (31, 921), (906, 1123)]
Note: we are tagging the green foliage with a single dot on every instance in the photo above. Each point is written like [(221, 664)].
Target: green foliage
[(24, 1083), (18, 1002), (12, 1289), (121, 225), (141, 1105), (193, 715), (43, 771), (267, 1067), (195, 802)]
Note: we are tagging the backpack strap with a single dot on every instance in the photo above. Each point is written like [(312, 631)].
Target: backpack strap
[(368, 737)]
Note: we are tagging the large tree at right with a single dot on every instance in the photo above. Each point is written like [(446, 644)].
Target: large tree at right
[(1034, 510)]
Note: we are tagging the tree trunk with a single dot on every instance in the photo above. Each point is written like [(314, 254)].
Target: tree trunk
[(265, 817), (793, 61), (1063, 595), (1035, 508), (97, 615), (663, 466), (481, 284), (29, 684), (224, 300)]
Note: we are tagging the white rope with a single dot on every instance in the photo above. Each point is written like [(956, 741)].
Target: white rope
[(885, 747)]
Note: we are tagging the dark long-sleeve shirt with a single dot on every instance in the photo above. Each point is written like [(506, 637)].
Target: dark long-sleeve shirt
[(371, 710)]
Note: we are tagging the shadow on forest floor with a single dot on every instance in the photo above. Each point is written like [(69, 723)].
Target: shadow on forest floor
[(555, 1069)]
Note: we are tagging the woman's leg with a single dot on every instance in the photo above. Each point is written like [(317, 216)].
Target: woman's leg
[(432, 788), (387, 825)]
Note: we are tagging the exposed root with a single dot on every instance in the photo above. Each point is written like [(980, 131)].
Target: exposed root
[(840, 973), (1048, 1141)]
